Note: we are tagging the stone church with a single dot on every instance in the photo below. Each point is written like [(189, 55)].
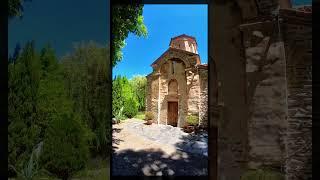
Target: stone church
[(178, 85)]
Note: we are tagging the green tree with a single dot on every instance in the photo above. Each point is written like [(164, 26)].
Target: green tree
[(23, 85), (15, 8), (65, 149), (125, 19), (130, 107), (124, 96), (87, 78), (52, 97), (49, 62), (139, 85), (117, 97)]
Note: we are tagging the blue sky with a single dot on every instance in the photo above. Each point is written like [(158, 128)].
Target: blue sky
[(163, 22), (62, 23)]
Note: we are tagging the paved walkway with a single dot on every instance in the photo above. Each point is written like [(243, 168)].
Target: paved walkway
[(141, 149)]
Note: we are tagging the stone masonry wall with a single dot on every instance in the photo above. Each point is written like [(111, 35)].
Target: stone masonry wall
[(266, 90), (297, 33), (165, 77), (203, 73), (193, 90), (152, 95)]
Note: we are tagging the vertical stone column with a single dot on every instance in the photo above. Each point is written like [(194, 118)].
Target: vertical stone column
[(297, 33), (226, 50), (159, 102), (266, 90)]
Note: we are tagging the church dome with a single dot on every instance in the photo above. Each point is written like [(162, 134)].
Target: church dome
[(184, 42)]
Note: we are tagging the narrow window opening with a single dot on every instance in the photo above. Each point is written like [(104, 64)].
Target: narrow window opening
[(173, 67)]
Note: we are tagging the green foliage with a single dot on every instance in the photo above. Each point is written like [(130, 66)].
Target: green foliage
[(87, 80), (149, 115), (65, 146), (120, 115), (125, 19), (23, 128), (15, 8), (139, 86), (123, 95), (130, 107), (41, 91), (192, 120), (262, 174), (48, 60), (140, 115), (31, 168)]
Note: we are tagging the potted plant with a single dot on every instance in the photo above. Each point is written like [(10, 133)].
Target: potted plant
[(149, 117), (192, 121)]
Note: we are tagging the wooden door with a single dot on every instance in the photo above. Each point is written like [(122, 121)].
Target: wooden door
[(172, 113)]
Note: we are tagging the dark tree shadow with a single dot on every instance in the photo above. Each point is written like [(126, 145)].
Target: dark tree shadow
[(194, 143), (115, 141), (154, 162)]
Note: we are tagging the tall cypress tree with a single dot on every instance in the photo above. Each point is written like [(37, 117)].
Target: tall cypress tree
[(23, 132)]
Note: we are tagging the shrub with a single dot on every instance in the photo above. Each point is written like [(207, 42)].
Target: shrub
[(192, 120), (149, 116), (31, 168), (120, 115), (130, 108), (65, 149)]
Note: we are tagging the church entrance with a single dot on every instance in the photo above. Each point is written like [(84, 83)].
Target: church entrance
[(172, 116)]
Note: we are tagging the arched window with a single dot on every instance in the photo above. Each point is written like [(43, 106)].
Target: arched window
[(173, 87), (173, 67)]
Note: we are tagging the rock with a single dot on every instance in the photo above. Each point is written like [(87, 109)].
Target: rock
[(159, 173), (154, 167), (114, 121), (170, 172)]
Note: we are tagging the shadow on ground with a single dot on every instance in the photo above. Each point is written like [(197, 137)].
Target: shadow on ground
[(155, 162), (115, 141), (194, 143)]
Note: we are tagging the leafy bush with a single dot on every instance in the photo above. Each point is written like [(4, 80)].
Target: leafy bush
[(130, 108), (192, 120), (149, 116), (31, 168), (262, 174), (120, 115), (65, 149)]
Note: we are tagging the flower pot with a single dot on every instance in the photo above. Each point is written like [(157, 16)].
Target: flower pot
[(189, 129), (149, 121)]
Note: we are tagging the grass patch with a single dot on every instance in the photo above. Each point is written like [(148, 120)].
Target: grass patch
[(97, 168), (140, 115), (264, 174)]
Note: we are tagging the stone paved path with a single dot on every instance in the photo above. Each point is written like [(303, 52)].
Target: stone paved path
[(141, 149)]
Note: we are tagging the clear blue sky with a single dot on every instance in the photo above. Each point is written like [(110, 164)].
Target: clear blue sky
[(163, 22), (62, 23)]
